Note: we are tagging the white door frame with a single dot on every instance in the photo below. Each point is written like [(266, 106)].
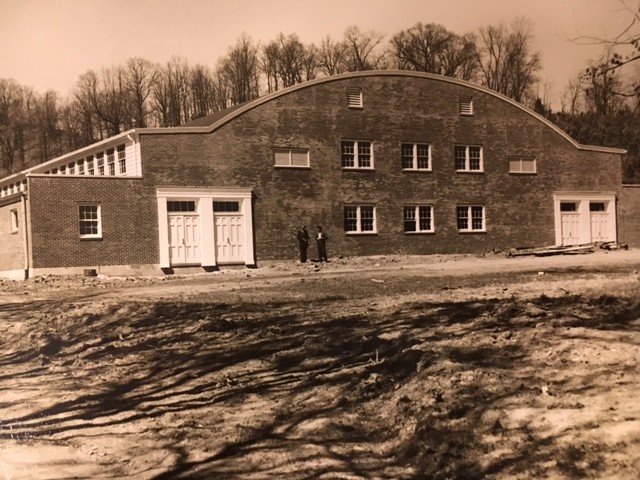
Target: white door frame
[(204, 198), (583, 200)]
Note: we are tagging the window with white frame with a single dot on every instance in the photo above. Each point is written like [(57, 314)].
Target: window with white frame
[(357, 154), (291, 157), (89, 221), (468, 158), (416, 156), (471, 218), (111, 162), (522, 165), (90, 165), (359, 219), (418, 218), (465, 105), (63, 170), (122, 159), (100, 163), (354, 97), (71, 168), (14, 220), (81, 167)]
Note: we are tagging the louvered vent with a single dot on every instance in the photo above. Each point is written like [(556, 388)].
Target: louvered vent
[(466, 106), (354, 97)]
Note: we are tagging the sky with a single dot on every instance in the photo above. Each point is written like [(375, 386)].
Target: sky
[(48, 44)]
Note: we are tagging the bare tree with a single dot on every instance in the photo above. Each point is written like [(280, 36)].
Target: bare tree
[(432, 48), (140, 77), (332, 57), (240, 70), (506, 63), (363, 50), (203, 92)]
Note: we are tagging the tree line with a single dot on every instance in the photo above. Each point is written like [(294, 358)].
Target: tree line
[(37, 127)]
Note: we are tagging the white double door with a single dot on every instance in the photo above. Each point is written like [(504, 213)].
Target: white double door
[(185, 238), (586, 221)]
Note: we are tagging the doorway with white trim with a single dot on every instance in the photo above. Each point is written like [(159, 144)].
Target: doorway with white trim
[(205, 227), (585, 218)]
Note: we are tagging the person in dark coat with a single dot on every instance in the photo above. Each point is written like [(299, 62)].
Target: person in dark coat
[(321, 240), (303, 243)]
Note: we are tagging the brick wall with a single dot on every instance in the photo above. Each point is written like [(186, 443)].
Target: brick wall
[(12, 251), (519, 208), (129, 222), (628, 216)]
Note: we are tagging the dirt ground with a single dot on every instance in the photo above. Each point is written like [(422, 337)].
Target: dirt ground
[(438, 367)]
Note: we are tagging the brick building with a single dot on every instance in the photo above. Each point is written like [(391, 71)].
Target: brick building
[(387, 162)]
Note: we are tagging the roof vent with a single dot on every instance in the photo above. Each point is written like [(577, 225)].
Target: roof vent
[(466, 105), (354, 97)]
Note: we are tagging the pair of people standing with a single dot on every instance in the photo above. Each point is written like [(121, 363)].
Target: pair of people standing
[(303, 244)]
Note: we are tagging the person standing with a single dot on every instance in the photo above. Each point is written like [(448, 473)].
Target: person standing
[(303, 243), (321, 240)]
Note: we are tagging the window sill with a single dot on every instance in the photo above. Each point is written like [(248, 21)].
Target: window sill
[(291, 167), (90, 239), (358, 169), (417, 170), (523, 173), (360, 233), (470, 171), (467, 232), (429, 232)]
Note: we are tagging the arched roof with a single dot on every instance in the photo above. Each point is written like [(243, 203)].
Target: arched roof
[(218, 119)]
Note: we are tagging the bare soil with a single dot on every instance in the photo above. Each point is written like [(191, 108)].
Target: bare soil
[(439, 367)]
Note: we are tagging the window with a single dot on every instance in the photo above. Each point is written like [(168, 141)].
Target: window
[(14, 220), (468, 158), (522, 165), (181, 206), (89, 221), (465, 105), (221, 207), (80, 167), (90, 166), (418, 218), (357, 154), (291, 157), (597, 207), (354, 97), (63, 170), (111, 162), (568, 207), (100, 163), (360, 219), (416, 156), (122, 159), (71, 169), (471, 218)]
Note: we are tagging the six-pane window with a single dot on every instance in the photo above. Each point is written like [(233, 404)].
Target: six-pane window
[(89, 221), (468, 158), (356, 154), (111, 162), (122, 159), (291, 157), (360, 219), (100, 163), (418, 218), (471, 218), (416, 156)]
